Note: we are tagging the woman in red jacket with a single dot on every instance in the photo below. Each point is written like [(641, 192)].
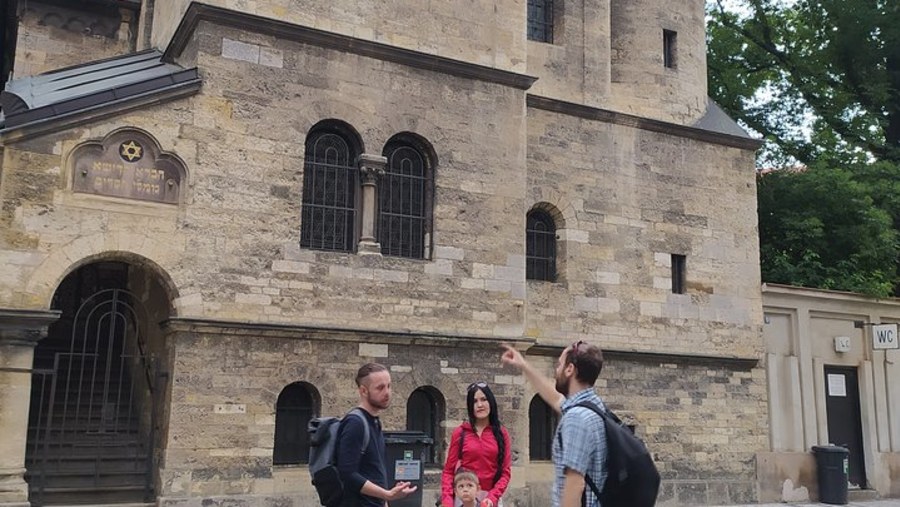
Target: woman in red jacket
[(481, 445)]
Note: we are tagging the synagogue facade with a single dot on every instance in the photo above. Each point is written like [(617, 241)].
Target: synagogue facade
[(211, 214)]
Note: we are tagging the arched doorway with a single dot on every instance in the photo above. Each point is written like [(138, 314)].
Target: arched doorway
[(96, 389), (297, 404), (425, 412)]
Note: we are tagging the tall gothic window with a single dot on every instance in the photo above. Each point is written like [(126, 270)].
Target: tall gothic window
[(540, 20), (404, 200), (330, 180), (425, 413), (542, 421), (295, 407), (540, 246)]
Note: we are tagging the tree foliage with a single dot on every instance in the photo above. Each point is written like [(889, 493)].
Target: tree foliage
[(823, 229), (820, 81)]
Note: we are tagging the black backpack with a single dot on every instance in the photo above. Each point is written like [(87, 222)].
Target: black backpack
[(323, 433), (631, 476)]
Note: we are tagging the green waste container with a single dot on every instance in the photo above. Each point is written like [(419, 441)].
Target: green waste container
[(405, 455), (832, 471)]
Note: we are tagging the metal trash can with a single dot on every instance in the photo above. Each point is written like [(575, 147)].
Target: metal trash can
[(833, 473), (406, 453)]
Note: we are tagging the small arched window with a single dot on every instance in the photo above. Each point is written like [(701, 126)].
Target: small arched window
[(297, 404), (540, 246), (425, 413), (404, 200), (542, 421), (330, 180)]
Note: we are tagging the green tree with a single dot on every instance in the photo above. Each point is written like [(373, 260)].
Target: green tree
[(819, 79), (822, 229)]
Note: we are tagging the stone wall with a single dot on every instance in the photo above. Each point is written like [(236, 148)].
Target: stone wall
[(486, 32), (641, 84), (52, 37), (210, 454), (242, 139), (575, 66), (702, 422), (627, 200)]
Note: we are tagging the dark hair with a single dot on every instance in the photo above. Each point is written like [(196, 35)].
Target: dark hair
[(493, 418), (368, 369), (588, 361)]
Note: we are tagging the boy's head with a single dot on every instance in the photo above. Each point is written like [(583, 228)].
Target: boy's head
[(465, 484)]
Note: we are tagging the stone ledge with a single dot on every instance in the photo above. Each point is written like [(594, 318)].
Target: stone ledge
[(737, 362), (25, 327), (325, 333)]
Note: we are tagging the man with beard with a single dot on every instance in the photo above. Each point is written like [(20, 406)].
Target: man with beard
[(579, 447), (363, 470)]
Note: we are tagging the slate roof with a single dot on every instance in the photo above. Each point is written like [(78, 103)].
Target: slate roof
[(68, 92), (717, 120)]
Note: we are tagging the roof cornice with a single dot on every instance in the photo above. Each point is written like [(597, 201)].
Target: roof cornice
[(42, 126), (638, 122), (198, 12)]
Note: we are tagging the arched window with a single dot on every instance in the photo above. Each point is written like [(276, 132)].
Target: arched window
[(540, 20), (330, 180), (297, 404), (404, 200), (425, 413), (542, 421), (540, 246)]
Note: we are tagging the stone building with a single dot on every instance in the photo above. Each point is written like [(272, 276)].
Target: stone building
[(833, 363), (212, 214)]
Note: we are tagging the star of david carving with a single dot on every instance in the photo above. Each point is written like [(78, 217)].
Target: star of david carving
[(131, 151)]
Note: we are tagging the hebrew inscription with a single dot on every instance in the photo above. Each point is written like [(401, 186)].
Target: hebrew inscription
[(127, 164)]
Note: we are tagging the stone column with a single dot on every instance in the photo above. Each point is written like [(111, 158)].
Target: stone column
[(371, 167), (20, 331)]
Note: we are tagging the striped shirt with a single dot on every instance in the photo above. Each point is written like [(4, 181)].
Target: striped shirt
[(580, 445)]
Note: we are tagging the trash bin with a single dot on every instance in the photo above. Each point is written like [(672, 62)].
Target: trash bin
[(406, 452), (832, 471)]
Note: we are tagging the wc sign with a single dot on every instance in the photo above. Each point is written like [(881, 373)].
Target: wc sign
[(884, 336)]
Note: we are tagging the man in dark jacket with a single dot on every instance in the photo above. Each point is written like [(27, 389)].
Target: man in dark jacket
[(363, 470)]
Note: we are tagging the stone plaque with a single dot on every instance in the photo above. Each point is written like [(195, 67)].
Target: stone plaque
[(128, 163)]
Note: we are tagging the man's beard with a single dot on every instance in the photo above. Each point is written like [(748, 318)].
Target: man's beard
[(562, 386), (378, 404)]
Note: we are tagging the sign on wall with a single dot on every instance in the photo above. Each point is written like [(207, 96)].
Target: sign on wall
[(884, 336), (127, 163)]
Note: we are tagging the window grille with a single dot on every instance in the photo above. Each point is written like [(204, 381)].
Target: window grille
[(404, 202), (542, 421), (540, 246), (293, 411), (424, 412), (330, 179), (540, 20)]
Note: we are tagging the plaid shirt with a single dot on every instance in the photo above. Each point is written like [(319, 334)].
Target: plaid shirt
[(580, 445)]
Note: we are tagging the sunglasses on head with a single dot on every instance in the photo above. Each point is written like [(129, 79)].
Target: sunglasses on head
[(477, 385), (576, 350)]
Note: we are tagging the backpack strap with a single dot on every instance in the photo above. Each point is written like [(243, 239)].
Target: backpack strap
[(462, 439), (358, 413), (603, 415)]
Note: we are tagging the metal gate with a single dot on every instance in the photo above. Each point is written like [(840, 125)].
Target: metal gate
[(92, 430)]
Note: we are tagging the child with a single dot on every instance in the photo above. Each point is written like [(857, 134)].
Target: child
[(465, 486)]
